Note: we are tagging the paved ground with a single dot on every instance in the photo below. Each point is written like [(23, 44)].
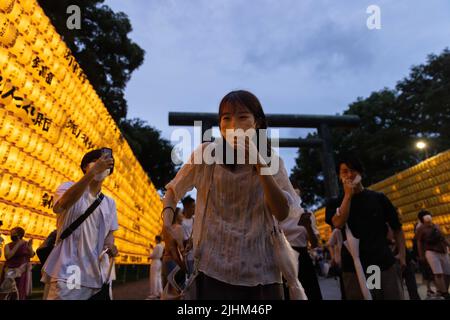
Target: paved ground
[(138, 290)]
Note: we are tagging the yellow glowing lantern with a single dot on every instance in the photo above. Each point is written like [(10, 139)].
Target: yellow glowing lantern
[(7, 217), (8, 32), (6, 6), (26, 169), (16, 13), (8, 125), (6, 98)]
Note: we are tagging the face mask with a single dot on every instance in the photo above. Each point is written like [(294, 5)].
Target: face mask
[(14, 237), (101, 176), (238, 134), (427, 218)]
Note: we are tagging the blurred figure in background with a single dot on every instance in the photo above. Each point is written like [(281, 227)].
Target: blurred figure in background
[(408, 273), (188, 224), (173, 247), (432, 247), (155, 269), (427, 274), (18, 254), (335, 245)]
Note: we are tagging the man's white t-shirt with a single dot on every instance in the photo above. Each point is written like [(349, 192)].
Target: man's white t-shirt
[(79, 253)]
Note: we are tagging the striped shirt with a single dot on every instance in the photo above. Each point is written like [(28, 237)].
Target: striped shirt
[(235, 246)]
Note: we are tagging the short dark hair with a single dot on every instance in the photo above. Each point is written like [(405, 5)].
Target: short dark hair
[(158, 238), (422, 213), (187, 200), (92, 156), (351, 161), (20, 231)]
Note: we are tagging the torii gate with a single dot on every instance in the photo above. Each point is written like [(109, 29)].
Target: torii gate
[(322, 123)]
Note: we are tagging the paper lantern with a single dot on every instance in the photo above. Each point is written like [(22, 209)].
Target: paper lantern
[(6, 6), (35, 161), (8, 32)]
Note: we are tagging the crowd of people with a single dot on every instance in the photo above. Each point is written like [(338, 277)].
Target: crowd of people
[(222, 244)]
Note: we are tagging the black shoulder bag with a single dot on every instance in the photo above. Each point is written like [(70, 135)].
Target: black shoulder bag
[(47, 246)]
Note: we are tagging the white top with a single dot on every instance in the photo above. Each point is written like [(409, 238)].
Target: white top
[(235, 246), (82, 249), (157, 252), (187, 225), (295, 234)]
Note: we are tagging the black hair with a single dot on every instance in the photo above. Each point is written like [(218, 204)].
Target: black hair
[(20, 232), (187, 200), (351, 161), (422, 213), (158, 238), (92, 156)]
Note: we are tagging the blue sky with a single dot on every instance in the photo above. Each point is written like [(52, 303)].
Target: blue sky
[(297, 56)]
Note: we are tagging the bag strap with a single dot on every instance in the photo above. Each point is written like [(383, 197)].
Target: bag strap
[(196, 256), (74, 225)]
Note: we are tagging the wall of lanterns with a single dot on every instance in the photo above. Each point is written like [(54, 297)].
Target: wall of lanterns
[(50, 116), (423, 186)]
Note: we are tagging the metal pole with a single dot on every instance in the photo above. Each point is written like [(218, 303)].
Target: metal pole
[(274, 120), (328, 165), (300, 143), (206, 125)]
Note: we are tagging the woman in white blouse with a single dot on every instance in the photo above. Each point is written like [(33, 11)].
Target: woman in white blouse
[(235, 207)]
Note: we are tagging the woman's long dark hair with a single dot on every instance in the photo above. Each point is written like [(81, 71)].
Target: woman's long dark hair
[(251, 102)]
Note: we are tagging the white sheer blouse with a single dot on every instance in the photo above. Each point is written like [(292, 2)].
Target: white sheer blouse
[(233, 220)]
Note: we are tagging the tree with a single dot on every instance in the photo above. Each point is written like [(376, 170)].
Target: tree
[(153, 152), (391, 122), (307, 175), (108, 58), (102, 48)]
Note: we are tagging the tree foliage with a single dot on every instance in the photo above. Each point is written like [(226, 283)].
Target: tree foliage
[(392, 121), (108, 57)]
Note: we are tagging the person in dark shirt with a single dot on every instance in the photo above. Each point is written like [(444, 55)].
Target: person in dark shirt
[(432, 248), (366, 213)]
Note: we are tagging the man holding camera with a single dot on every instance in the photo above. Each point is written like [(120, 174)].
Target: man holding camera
[(73, 270)]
